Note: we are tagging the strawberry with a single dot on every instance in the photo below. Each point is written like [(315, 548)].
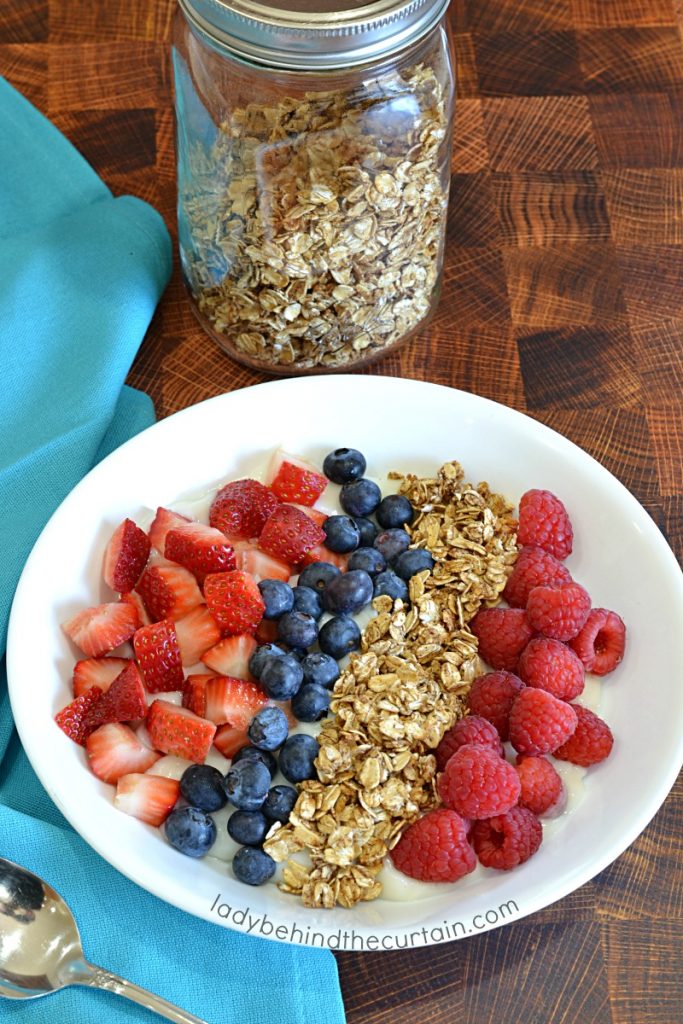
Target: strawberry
[(231, 656), (125, 557), (123, 701), (164, 521), (194, 694), (179, 731), (322, 554), (197, 632), (102, 628), (200, 548), (234, 600), (71, 719), (315, 514), (158, 655), (114, 750), (294, 480), (289, 534), (150, 798), (169, 591), (241, 508), (235, 701), (228, 740), (262, 566), (135, 601), (96, 672), (267, 631)]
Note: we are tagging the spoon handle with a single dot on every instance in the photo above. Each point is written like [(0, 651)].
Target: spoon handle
[(96, 977)]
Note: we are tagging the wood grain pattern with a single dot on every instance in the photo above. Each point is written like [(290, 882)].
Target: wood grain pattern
[(562, 297)]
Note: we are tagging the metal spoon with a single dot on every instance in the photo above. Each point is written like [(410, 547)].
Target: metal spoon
[(41, 952)]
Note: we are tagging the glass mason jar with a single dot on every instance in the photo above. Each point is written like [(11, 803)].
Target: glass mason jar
[(314, 144)]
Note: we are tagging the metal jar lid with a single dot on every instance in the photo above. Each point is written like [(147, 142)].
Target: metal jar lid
[(313, 34)]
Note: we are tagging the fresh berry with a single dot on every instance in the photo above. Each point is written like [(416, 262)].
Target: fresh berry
[(134, 600), (503, 633), (435, 848), (190, 831), (202, 786), (281, 676), (308, 601), (150, 798), (507, 840), (278, 598), (124, 701), (96, 672), (339, 636), (247, 784), (539, 722), (201, 549), (253, 866), (197, 633), (235, 701), (297, 629), (367, 530), (317, 575), (360, 497), (258, 657), (178, 731), (292, 479), (320, 669), (341, 534), (600, 642), (541, 785), (248, 828), (169, 591), (279, 803), (289, 534), (534, 568), (268, 728), (591, 741), (320, 553), (194, 693), (316, 514), (311, 703), (164, 521), (231, 657), (544, 523), (100, 629), (558, 611), (388, 584), (471, 729), (250, 753), (297, 757), (260, 565), (228, 740), (344, 465), (125, 557), (412, 561), (114, 750), (552, 666), (392, 543), (492, 696), (266, 632), (370, 560), (234, 600), (72, 719), (394, 511), (348, 593), (240, 509), (477, 782), (158, 655)]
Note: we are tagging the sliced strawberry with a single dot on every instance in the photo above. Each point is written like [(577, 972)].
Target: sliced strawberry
[(164, 521), (72, 718), (235, 701), (158, 654), (125, 557), (114, 750), (99, 672), (179, 731), (197, 632), (201, 549), (228, 740), (169, 591), (234, 600), (294, 480), (124, 701), (266, 632), (289, 534), (261, 566), (151, 798), (135, 601), (194, 694), (102, 628), (231, 656), (323, 554), (315, 514), (241, 508)]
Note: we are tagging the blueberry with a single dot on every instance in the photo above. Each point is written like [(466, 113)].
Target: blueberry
[(341, 534), (246, 784), (348, 593), (311, 703), (308, 600), (394, 511), (370, 560), (297, 757), (191, 831), (298, 653), (360, 498), (250, 753), (252, 866), (277, 597), (202, 786), (281, 677), (268, 728), (317, 575), (392, 543), (344, 465), (248, 828), (279, 803), (367, 529), (258, 658), (297, 629), (339, 636), (320, 669), (410, 562), (391, 585)]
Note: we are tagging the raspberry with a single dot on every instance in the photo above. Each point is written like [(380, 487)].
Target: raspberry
[(591, 741), (558, 611), (478, 783), (503, 633), (472, 729), (491, 697), (539, 722), (600, 642), (552, 666), (534, 568), (507, 840), (541, 785), (435, 848), (543, 521)]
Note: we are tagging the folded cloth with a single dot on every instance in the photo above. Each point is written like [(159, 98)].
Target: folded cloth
[(80, 275)]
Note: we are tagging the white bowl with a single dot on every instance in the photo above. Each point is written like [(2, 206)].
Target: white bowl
[(619, 555)]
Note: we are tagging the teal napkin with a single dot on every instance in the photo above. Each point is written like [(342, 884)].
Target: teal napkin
[(80, 275)]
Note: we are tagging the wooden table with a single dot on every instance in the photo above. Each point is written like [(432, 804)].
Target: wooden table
[(563, 298)]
